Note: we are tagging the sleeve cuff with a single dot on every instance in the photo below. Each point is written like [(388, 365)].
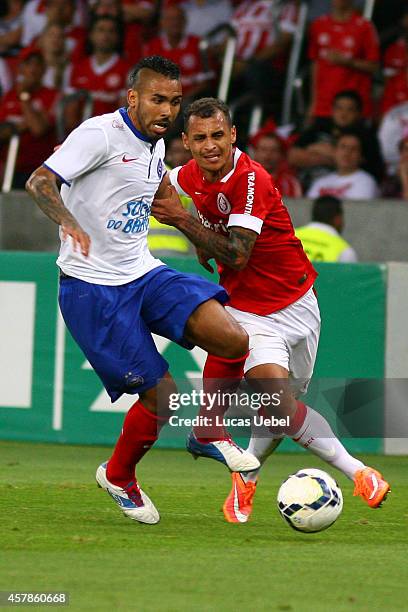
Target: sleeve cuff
[(173, 176), (61, 178), (246, 221)]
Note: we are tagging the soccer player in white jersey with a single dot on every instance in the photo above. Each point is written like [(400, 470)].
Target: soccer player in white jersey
[(245, 226), (113, 293)]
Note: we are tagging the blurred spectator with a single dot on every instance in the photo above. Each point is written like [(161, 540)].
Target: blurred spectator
[(386, 18), (184, 50), (269, 151), (265, 31), (348, 181), (317, 8), (395, 91), (165, 240), (11, 27), (394, 123), (103, 74), (344, 49), (135, 16), (321, 238), (176, 153), (6, 80), (37, 13), (313, 152), (29, 110), (397, 186), (396, 54), (52, 44), (204, 15)]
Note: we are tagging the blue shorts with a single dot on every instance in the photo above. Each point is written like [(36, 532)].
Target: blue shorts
[(113, 325)]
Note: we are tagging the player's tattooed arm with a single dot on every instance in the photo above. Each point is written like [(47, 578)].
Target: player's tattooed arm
[(233, 250), (42, 186)]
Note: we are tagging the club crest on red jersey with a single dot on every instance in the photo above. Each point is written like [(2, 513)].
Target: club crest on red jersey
[(223, 205)]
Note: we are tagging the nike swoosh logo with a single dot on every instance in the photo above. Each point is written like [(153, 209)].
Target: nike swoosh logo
[(240, 516), (375, 485), (128, 159), (198, 193)]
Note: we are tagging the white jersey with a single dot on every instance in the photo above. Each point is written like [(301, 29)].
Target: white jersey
[(393, 128), (258, 24), (111, 173), (358, 185)]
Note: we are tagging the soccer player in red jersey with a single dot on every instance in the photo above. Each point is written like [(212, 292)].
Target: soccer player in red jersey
[(243, 223)]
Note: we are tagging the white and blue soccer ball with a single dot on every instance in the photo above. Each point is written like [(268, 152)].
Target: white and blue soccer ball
[(310, 500)]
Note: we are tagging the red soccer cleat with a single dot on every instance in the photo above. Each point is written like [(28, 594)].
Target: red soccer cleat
[(371, 486), (237, 507)]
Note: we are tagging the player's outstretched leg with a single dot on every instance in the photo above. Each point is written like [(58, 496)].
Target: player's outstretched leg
[(214, 330), (310, 429), (316, 435), (140, 430)]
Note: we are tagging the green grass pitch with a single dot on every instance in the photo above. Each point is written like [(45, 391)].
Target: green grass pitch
[(59, 532)]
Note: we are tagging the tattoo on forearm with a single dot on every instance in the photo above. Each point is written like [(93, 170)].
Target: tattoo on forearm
[(233, 250), (46, 194)]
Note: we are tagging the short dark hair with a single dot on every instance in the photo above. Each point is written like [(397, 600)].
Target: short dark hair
[(325, 208), (351, 94), (158, 64), (350, 132), (205, 108), (117, 22)]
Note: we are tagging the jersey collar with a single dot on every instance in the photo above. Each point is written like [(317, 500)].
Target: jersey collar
[(128, 121), (237, 155)]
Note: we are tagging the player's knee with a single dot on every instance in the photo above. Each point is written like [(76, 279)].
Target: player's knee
[(156, 399), (236, 342)]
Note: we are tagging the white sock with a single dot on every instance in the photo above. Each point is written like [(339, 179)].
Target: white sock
[(317, 436), (261, 448)]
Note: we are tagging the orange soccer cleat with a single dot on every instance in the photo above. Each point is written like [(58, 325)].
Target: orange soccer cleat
[(237, 507), (371, 486)]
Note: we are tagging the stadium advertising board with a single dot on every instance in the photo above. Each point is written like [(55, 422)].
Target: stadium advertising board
[(49, 392)]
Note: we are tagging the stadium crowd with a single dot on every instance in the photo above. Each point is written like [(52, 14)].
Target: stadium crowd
[(62, 60)]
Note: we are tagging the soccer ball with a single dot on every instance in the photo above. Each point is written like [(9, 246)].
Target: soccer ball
[(310, 500)]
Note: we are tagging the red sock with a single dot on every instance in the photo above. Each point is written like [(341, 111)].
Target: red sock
[(140, 431), (296, 421), (219, 376)]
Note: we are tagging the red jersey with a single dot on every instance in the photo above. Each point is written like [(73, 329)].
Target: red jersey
[(187, 55), (278, 271), (355, 38), (32, 149), (75, 38), (396, 57), (395, 92), (136, 32), (287, 184), (106, 82)]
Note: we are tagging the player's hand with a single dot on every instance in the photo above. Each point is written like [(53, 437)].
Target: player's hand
[(325, 149), (169, 209), (80, 239), (338, 58), (203, 259)]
